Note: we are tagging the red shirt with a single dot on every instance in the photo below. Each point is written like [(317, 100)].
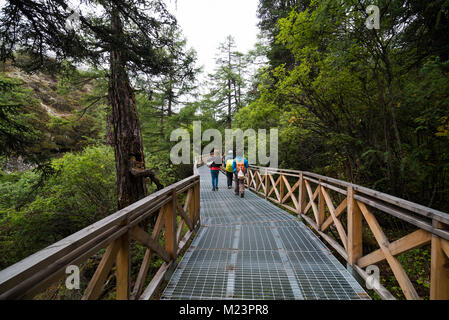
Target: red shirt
[(216, 164)]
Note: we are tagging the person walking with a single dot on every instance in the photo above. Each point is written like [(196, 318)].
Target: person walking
[(240, 166), (214, 163), (229, 160)]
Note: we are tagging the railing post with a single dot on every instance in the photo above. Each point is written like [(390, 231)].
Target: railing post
[(267, 183), (123, 267), (355, 232), (197, 202), (170, 226), (321, 206), (192, 205), (439, 268), (281, 188), (302, 195)]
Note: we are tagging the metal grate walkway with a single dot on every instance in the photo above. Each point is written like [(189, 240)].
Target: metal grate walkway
[(250, 249)]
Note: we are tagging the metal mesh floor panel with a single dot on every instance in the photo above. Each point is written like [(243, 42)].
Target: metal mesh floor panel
[(250, 249)]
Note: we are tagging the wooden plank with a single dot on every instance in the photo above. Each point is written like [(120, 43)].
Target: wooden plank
[(309, 205), (439, 269), (261, 182), (189, 198), (340, 229), (184, 216), (55, 271), (410, 241), (170, 227), (123, 268), (402, 278), (381, 290), (197, 204), (192, 204), (156, 281), (290, 191), (420, 223), (267, 184), (445, 247), (160, 222), (405, 204), (184, 241), (142, 275), (302, 195), (95, 286), (281, 189), (293, 210), (355, 232), (256, 179), (145, 266), (159, 276), (327, 185), (252, 183), (321, 207), (179, 231), (145, 239), (20, 272), (312, 202), (278, 196), (277, 170), (142, 215), (340, 209)]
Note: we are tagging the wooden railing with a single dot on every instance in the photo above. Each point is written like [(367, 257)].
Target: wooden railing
[(298, 192), (116, 233)]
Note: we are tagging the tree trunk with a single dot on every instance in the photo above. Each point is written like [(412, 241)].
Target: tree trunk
[(127, 133), (229, 105), (386, 127), (229, 87), (109, 131), (170, 96)]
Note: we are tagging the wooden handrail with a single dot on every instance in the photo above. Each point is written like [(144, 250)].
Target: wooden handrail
[(405, 204), (33, 274), (359, 202)]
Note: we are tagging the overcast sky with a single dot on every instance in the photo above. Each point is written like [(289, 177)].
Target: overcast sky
[(206, 23)]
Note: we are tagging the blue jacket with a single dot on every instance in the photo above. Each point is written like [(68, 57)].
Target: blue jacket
[(234, 164)]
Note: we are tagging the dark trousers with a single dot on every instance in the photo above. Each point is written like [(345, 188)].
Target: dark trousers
[(239, 185), (229, 175)]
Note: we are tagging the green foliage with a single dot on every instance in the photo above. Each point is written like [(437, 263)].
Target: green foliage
[(82, 192), (17, 110), (156, 130), (17, 189), (37, 123), (357, 104)]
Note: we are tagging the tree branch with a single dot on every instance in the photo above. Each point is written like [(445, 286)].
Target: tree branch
[(136, 172)]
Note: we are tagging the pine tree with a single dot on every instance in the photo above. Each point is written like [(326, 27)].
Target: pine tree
[(227, 81), (130, 37)]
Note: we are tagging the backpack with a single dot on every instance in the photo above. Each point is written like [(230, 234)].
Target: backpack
[(240, 168), (229, 165)]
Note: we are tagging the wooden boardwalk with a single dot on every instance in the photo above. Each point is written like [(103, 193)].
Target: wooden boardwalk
[(251, 249)]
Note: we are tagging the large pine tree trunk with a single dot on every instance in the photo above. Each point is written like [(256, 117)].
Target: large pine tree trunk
[(109, 132), (127, 133)]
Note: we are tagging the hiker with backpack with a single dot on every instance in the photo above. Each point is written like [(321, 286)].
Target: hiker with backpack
[(240, 166), (214, 163), (229, 160)]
